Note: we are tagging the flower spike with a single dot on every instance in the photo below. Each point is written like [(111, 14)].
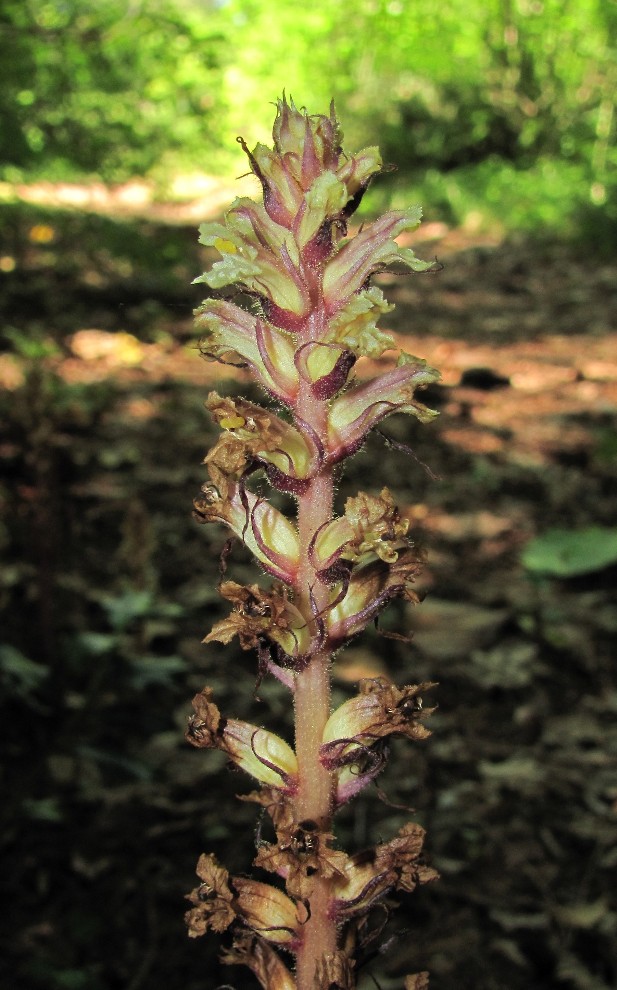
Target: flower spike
[(313, 314)]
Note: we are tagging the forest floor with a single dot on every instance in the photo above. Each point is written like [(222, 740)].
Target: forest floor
[(103, 433)]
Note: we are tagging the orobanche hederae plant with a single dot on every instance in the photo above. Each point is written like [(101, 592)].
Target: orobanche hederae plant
[(314, 313)]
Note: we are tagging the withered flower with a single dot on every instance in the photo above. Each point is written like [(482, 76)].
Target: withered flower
[(355, 733), (371, 875), (220, 900), (371, 525), (212, 900), (256, 437), (417, 981), (373, 584), (250, 950), (301, 853), (259, 615), (277, 804), (336, 971)]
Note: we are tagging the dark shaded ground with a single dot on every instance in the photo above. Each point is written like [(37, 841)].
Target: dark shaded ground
[(108, 588)]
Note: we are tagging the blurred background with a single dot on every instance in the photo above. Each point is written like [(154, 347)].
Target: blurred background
[(118, 136)]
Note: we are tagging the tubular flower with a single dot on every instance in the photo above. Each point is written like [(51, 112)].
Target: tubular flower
[(234, 337), (368, 252), (358, 410), (220, 900), (380, 709), (372, 586), (261, 753), (265, 531), (255, 436), (268, 911), (259, 255), (355, 324), (371, 875), (355, 734)]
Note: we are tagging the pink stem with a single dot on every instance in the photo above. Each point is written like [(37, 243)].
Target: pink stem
[(314, 798)]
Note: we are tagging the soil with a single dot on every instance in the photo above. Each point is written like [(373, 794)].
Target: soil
[(109, 588)]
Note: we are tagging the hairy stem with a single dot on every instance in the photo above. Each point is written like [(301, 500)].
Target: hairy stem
[(313, 801)]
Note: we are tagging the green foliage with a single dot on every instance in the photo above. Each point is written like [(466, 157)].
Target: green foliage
[(502, 109), (566, 553), (19, 676), (105, 89)]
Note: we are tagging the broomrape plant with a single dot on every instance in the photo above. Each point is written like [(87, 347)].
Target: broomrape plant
[(314, 315)]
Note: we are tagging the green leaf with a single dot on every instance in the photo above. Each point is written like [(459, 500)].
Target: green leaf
[(566, 553), (131, 605), (155, 670), (43, 809), (20, 675)]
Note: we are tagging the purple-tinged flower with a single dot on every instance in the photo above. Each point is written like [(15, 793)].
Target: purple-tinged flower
[(235, 337), (371, 250), (371, 875), (267, 533), (259, 255), (379, 710), (256, 436), (371, 587), (358, 410), (356, 734)]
